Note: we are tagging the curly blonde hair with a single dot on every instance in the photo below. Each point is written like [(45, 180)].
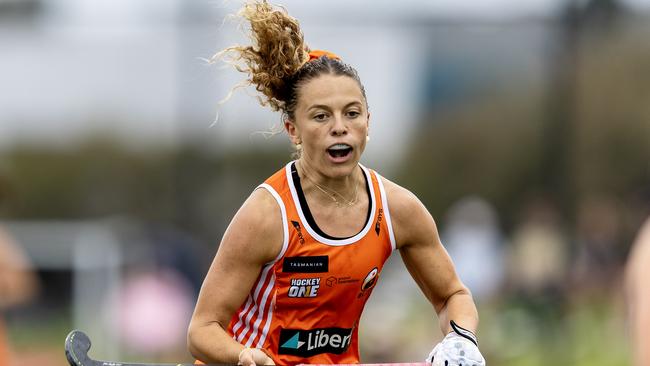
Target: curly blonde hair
[(277, 62)]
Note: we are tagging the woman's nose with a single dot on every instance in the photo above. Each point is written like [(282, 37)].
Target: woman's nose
[(339, 128)]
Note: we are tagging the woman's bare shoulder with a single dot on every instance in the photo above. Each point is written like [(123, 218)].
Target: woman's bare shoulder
[(257, 227)]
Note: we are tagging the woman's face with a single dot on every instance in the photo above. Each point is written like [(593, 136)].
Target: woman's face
[(331, 123)]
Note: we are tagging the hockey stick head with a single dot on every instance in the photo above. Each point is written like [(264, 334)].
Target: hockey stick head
[(77, 345)]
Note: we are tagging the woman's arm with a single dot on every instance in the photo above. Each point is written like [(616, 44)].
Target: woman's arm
[(427, 260), (253, 238)]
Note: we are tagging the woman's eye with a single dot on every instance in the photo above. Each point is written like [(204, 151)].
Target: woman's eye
[(320, 117)]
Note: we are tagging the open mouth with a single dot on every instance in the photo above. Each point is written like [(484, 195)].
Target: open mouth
[(338, 151)]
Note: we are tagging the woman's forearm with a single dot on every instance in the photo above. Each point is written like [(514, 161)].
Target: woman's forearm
[(210, 343), (461, 309)]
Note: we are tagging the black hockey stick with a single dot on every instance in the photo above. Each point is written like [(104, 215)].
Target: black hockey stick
[(77, 345)]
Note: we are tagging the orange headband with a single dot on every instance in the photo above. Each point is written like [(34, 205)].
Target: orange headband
[(315, 54)]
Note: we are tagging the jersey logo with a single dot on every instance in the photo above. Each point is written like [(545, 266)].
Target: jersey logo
[(379, 218), (311, 264), (331, 281), (307, 343), (369, 282), (304, 287), (296, 226)]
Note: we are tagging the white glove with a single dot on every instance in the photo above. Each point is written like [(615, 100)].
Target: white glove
[(458, 348)]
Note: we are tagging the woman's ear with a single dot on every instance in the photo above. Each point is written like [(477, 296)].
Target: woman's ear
[(292, 131), (368, 122)]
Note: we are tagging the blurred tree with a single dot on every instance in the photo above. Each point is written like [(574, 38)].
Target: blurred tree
[(185, 187), (20, 10), (575, 20), (582, 133)]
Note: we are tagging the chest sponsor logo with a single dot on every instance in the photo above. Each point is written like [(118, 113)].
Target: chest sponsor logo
[(304, 287), (331, 281), (369, 282), (307, 343), (312, 264)]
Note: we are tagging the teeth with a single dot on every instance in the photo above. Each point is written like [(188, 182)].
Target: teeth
[(339, 147)]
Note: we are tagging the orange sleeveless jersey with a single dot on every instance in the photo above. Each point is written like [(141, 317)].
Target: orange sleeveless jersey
[(305, 306)]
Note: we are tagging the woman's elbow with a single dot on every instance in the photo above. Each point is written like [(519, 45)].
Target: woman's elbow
[(193, 332)]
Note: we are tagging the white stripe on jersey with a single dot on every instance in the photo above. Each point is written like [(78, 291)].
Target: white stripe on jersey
[(249, 302), (260, 313), (384, 203), (269, 317), (256, 294)]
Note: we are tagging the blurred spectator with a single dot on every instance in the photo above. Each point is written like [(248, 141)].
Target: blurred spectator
[(638, 296), (539, 256), (474, 242), (17, 284), (175, 248), (152, 309), (600, 255), (538, 264)]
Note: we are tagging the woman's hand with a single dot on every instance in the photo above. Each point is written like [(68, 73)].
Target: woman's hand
[(253, 357), (458, 348)]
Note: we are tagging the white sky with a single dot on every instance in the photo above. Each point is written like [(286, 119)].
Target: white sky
[(127, 59), (127, 11)]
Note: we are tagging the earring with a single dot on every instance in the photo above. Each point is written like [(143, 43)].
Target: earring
[(367, 138), (299, 146)]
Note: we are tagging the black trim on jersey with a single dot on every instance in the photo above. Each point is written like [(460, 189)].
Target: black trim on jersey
[(305, 207)]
